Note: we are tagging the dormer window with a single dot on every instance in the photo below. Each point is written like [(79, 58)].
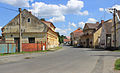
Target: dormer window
[(28, 19)]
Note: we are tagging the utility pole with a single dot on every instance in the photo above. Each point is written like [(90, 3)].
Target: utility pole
[(114, 16), (20, 36)]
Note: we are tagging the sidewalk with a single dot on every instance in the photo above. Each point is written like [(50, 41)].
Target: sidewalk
[(18, 57), (109, 65)]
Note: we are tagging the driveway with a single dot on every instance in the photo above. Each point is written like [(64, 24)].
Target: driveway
[(66, 60)]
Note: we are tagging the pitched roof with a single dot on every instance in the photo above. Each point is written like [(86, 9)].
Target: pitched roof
[(78, 30), (119, 13), (66, 40), (92, 25), (48, 23), (108, 26)]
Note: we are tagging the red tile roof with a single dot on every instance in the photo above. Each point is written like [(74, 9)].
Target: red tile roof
[(78, 30), (48, 23), (66, 40)]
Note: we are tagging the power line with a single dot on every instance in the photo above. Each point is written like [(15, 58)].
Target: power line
[(9, 9)]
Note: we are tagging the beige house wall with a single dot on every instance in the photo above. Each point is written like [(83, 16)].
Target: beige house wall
[(96, 37)]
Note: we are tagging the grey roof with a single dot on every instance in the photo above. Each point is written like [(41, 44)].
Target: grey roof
[(108, 26), (92, 25)]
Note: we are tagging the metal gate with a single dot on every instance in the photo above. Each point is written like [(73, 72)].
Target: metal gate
[(7, 46)]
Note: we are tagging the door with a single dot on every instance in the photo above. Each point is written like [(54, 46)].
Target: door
[(17, 40), (87, 43), (108, 42)]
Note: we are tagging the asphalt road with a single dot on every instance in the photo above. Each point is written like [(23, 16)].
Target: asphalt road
[(66, 60)]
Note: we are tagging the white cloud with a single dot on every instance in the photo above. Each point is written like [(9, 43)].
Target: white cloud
[(72, 24), (84, 13), (81, 24), (61, 31), (101, 9), (18, 3), (91, 20), (0, 27), (117, 7), (58, 11), (58, 19)]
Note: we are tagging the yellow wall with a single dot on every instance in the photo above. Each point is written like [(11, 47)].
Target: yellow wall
[(53, 40), (95, 37)]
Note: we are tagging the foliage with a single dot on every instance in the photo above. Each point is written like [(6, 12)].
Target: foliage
[(117, 64), (61, 38), (42, 19), (4, 54)]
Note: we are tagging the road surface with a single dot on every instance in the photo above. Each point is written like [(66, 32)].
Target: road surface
[(66, 60)]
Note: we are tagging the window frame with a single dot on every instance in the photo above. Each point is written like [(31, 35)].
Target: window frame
[(31, 39)]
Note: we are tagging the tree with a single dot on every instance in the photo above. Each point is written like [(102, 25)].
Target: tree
[(42, 19), (61, 38)]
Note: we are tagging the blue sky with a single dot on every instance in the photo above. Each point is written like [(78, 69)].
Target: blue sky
[(66, 15)]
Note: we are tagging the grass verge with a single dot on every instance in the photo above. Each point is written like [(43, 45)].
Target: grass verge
[(4, 54), (54, 49), (116, 50), (117, 64)]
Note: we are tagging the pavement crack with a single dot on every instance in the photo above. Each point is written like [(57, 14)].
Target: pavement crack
[(99, 65)]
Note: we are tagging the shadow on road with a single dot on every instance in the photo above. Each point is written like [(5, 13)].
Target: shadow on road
[(107, 55)]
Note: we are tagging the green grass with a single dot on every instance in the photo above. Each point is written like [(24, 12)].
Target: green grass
[(117, 64), (51, 49), (116, 50), (54, 49), (21, 53)]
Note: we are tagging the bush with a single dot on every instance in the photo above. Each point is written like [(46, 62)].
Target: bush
[(117, 64)]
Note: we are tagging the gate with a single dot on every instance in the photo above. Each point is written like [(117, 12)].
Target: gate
[(7, 46)]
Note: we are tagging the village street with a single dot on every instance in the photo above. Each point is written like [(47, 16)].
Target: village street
[(66, 60)]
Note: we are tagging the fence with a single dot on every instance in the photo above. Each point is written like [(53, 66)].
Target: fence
[(7, 46), (29, 47)]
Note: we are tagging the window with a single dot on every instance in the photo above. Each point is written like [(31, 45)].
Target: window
[(28, 19), (32, 40)]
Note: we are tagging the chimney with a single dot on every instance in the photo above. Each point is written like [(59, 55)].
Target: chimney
[(97, 22), (102, 21)]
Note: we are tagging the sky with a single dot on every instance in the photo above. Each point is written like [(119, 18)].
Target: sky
[(66, 15)]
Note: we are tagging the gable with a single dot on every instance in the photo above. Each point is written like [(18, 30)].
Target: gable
[(85, 27), (35, 25)]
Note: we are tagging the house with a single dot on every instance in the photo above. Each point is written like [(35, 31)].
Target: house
[(102, 36), (33, 31), (75, 36), (117, 31), (87, 37), (96, 35), (67, 41), (105, 37)]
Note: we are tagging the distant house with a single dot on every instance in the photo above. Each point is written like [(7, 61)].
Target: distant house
[(87, 37), (102, 36), (75, 36), (117, 31), (33, 30), (67, 41)]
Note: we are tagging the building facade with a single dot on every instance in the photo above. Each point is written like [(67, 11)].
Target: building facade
[(117, 31), (75, 36), (105, 37), (87, 37), (102, 36), (33, 30)]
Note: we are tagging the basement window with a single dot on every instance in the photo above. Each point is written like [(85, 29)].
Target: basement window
[(31, 40), (28, 19)]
